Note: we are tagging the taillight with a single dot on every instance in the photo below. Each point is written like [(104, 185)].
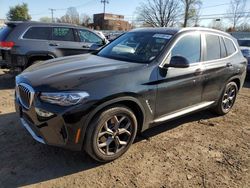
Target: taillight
[(6, 44)]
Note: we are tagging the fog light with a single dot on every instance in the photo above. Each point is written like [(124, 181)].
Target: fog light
[(43, 113)]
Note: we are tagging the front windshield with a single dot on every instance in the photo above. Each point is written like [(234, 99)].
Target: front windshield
[(136, 47)]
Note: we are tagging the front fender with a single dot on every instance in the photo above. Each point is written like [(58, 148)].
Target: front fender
[(108, 102)]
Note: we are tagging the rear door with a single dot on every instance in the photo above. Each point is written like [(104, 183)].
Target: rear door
[(36, 39), (218, 65), (65, 42)]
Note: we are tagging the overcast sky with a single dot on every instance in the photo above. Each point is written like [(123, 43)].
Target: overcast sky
[(40, 8)]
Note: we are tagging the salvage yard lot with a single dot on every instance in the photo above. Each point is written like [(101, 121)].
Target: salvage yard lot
[(200, 150)]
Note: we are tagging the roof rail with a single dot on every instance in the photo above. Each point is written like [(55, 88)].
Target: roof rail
[(203, 29)]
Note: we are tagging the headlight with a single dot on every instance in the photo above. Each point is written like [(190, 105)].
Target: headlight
[(65, 98)]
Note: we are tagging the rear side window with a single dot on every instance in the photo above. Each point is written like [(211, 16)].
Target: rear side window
[(40, 33), (63, 34), (189, 47), (4, 32), (230, 46), (87, 36), (213, 47), (222, 48)]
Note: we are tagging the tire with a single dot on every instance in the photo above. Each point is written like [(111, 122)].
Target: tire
[(111, 133), (227, 99)]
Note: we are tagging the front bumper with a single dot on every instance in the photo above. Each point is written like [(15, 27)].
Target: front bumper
[(33, 134), (61, 130)]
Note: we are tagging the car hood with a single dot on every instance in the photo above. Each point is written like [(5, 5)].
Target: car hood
[(74, 70)]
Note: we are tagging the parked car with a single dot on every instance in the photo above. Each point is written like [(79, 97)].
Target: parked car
[(99, 102), (25, 43), (112, 35), (245, 49)]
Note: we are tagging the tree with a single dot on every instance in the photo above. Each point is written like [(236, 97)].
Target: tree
[(159, 13), (85, 20), (244, 27), (45, 19), (71, 16), (19, 13), (236, 12), (191, 10)]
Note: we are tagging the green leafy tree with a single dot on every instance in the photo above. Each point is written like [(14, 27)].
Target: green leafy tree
[(19, 13)]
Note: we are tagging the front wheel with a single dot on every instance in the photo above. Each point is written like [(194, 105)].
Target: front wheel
[(111, 133), (227, 99)]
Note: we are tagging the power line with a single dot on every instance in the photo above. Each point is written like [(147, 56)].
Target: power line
[(78, 6), (215, 5), (61, 9)]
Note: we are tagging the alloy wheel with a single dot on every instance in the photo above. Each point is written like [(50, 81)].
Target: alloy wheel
[(229, 97), (114, 134)]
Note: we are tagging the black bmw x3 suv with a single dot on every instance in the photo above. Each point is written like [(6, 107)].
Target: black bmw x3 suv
[(99, 102)]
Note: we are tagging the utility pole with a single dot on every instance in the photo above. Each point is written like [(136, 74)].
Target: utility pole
[(52, 14), (104, 4)]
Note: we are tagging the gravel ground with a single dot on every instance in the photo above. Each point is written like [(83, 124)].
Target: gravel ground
[(201, 150)]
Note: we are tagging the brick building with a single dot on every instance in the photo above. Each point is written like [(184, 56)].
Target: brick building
[(110, 22)]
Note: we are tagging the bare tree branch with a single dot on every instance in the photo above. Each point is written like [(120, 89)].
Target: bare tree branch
[(191, 10), (71, 16), (159, 13), (237, 12)]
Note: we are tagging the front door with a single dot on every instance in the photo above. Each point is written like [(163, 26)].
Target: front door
[(89, 41), (180, 88)]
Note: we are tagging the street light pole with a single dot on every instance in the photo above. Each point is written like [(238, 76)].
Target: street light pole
[(52, 14), (104, 4)]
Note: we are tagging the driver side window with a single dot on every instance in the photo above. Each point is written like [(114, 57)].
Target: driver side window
[(188, 47), (87, 36)]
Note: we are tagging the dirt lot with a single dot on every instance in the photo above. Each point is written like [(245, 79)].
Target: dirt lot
[(189, 152)]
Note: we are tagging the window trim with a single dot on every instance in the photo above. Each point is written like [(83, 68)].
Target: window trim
[(223, 37), (203, 45), (50, 26)]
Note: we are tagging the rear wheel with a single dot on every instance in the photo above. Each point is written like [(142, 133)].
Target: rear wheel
[(227, 99), (111, 133)]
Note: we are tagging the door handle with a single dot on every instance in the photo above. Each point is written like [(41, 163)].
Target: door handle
[(229, 65), (85, 46), (198, 72), (54, 44)]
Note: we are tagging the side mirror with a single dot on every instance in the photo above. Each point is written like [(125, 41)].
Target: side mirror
[(178, 62), (104, 41), (95, 46)]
